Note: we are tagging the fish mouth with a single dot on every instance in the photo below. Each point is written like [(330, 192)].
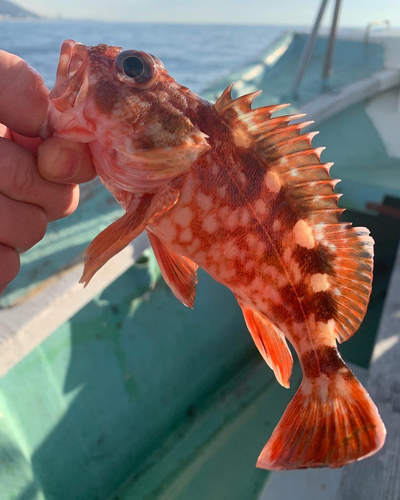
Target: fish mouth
[(70, 89), (70, 77)]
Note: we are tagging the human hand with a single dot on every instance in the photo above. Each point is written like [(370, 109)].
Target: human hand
[(38, 180)]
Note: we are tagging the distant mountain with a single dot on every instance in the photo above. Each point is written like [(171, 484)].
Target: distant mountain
[(11, 10)]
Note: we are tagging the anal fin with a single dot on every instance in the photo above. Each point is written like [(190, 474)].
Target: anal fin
[(271, 343), (178, 271)]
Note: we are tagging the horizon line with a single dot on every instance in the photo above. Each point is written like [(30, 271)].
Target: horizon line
[(180, 23)]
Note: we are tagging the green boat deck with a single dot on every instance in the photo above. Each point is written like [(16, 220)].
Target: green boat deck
[(130, 387), (136, 397)]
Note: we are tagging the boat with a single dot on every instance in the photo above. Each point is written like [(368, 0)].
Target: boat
[(117, 391)]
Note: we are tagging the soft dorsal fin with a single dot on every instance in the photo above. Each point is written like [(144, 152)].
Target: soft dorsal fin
[(271, 343), (142, 209), (351, 282), (178, 271), (307, 188)]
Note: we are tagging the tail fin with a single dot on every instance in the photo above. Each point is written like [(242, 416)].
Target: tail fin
[(330, 422)]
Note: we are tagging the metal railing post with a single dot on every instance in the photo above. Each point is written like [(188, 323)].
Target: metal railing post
[(370, 26), (331, 43), (308, 49)]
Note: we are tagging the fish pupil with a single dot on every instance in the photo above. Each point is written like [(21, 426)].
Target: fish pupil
[(133, 67)]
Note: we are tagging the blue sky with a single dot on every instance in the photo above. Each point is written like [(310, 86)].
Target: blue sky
[(294, 12)]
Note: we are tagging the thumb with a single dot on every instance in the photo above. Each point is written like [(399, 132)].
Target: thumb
[(65, 162)]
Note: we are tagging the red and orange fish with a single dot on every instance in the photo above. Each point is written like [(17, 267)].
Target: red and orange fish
[(245, 196)]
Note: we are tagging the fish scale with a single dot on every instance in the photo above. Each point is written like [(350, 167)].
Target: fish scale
[(243, 195)]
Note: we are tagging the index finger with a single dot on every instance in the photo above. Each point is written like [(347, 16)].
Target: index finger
[(23, 96)]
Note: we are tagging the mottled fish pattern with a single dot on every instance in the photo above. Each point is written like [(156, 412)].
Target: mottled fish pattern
[(243, 195)]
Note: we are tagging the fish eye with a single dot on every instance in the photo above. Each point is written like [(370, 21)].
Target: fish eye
[(135, 68)]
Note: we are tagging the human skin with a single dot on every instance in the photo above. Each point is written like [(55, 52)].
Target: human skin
[(39, 180)]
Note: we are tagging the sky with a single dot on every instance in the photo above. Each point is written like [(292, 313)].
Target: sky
[(279, 12)]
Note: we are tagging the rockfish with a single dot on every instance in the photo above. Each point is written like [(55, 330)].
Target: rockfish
[(243, 195)]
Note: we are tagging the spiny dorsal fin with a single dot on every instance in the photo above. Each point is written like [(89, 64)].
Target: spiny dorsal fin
[(285, 152)]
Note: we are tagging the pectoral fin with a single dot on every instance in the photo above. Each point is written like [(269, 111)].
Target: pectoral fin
[(143, 209), (178, 271)]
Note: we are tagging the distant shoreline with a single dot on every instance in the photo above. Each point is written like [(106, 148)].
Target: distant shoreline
[(12, 18), (11, 11), (4, 17)]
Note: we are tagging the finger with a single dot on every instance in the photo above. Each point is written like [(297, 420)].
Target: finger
[(23, 103), (63, 161), (31, 143), (22, 225), (9, 266), (20, 180)]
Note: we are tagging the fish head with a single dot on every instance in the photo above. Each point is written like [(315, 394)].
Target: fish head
[(132, 113)]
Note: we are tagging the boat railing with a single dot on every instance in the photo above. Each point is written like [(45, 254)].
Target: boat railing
[(370, 26), (331, 43), (309, 47)]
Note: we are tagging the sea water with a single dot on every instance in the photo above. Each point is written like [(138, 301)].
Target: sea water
[(194, 55)]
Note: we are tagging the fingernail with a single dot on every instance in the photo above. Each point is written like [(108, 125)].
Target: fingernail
[(66, 165)]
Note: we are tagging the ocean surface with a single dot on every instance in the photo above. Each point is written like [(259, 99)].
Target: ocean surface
[(194, 55)]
